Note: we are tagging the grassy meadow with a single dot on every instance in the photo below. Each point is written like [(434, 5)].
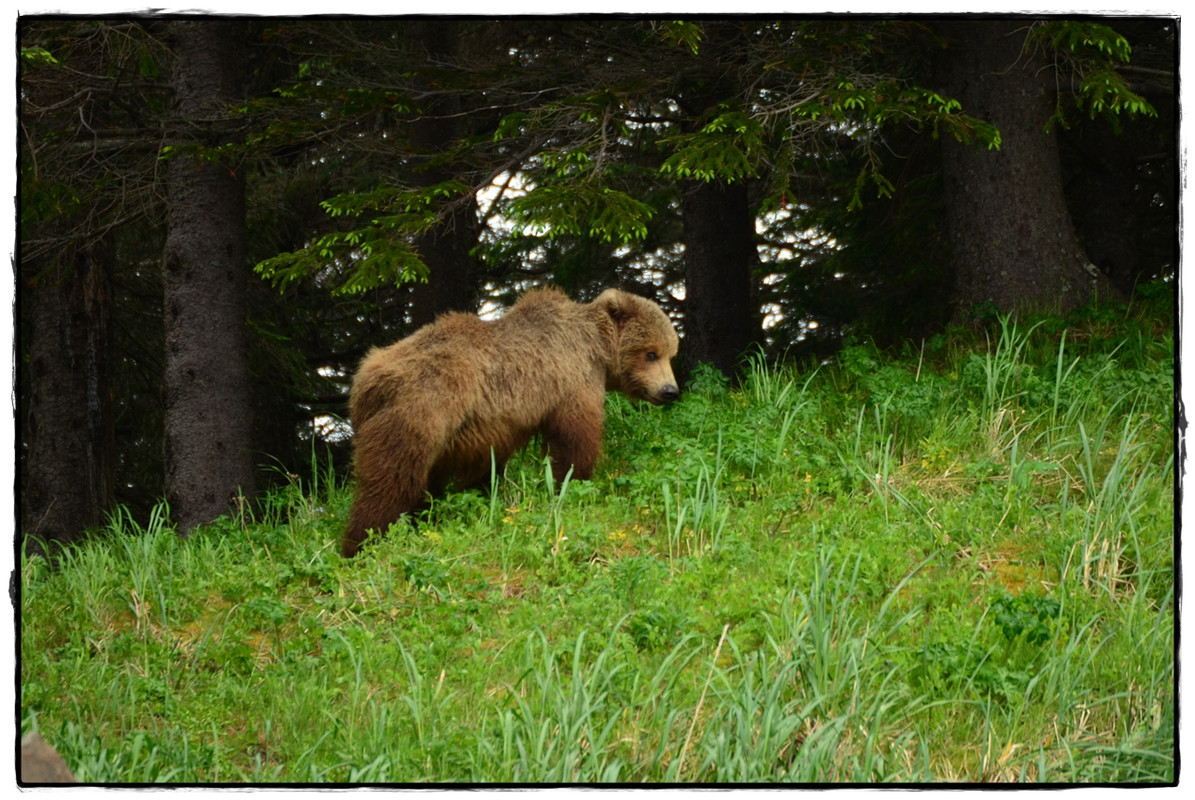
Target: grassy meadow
[(951, 564)]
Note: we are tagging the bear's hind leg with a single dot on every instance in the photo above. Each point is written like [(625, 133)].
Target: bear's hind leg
[(392, 464)]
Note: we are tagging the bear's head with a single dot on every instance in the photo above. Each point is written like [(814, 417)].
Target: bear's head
[(644, 344)]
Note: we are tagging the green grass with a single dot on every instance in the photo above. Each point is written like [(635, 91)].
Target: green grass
[(952, 565)]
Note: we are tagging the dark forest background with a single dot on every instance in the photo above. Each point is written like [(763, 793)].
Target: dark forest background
[(218, 217)]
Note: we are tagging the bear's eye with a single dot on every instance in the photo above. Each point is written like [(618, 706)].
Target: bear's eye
[(651, 355)]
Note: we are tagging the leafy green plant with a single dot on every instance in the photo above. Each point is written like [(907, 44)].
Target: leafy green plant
[(425, 572), (1031, 617)]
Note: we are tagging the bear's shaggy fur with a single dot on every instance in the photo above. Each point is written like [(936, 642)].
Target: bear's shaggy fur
[(428, 409)]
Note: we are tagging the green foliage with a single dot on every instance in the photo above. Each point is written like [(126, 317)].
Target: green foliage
[(1027, 616), (378, 254), (424, 571), (1104, 91), (730, 147), (889, 101), (681, 33), (42, 201), (1094, 50), (38, 56), (580, 210), (707, 379), (1084, 38), (873, 108)]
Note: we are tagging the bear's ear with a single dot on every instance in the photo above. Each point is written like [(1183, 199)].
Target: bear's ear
[(616, 305)]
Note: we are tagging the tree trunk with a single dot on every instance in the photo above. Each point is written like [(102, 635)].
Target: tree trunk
[(1012, 238), (719, 232), (206, 393), (446, 251), (446, 248), (721, 321), (68, 483)]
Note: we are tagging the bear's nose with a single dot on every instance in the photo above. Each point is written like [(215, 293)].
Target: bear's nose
[(669, 393)]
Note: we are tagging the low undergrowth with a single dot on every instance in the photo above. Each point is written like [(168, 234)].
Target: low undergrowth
[(955, 564)]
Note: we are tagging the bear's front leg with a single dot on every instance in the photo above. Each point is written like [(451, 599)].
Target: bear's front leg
[(573, 435)]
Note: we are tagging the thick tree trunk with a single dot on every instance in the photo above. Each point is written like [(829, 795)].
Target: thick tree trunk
[(720, 322), (451, 267), (68, 483), (446, 249), (206, 392), (1013, 242)]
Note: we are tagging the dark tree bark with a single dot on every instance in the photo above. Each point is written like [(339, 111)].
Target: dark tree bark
[(67, 485), (446, 248), (91, 213), (1013, 241), (206, 393), (720, 321), (719, 232), (451, 267)]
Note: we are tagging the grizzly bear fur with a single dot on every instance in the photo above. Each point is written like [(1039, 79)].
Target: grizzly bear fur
[(429, 409)]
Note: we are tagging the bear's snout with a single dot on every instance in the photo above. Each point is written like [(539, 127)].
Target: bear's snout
[(667, 393)]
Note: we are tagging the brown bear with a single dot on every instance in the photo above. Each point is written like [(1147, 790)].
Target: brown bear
[(429, 409)]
